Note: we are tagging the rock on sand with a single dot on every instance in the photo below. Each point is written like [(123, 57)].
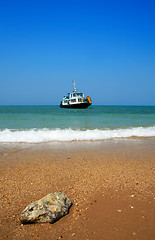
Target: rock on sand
[(48, 209)]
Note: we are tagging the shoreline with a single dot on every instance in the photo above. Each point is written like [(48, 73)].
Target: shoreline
[(78, 144), (110, 183), (55, 135)]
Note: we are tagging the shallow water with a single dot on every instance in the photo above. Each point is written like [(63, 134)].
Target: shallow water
[(52, 123)]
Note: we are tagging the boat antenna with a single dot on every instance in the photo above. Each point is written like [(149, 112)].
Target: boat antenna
[(74, 86)]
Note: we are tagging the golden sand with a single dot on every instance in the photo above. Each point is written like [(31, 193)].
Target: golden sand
[(111, 185)]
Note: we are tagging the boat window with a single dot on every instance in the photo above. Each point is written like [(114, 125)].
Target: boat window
[(80, 94), (73, 100), (66, 101), (79, 99), (74, 95)]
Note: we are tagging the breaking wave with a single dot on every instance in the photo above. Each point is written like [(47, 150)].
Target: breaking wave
[(48, 135)]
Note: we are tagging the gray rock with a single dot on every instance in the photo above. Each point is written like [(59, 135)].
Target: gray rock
[(48, 209)]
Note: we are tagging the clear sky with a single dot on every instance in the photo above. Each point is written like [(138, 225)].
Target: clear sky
[(107, 47)]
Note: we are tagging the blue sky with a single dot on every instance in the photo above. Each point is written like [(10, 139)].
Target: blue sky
[(107, 47)]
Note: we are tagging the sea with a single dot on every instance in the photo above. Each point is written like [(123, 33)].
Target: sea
[(38, 124)]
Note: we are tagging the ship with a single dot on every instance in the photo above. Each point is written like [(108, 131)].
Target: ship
[(75, 99)]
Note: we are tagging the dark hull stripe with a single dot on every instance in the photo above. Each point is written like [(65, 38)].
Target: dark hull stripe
[(81, 105)]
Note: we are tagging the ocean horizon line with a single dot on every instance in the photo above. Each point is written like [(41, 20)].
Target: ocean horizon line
[(95, 105)]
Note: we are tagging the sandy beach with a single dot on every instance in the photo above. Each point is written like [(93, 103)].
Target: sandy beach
[(110, 183)]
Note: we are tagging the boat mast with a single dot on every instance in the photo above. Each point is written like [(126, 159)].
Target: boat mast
[(74, 86)]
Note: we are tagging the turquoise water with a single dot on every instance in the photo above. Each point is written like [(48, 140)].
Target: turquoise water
[(26, 117), (54, 122)]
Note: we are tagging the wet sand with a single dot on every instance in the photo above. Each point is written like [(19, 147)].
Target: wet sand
[(110, 183)]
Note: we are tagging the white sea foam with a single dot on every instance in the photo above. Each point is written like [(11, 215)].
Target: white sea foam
[(48, 135)]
